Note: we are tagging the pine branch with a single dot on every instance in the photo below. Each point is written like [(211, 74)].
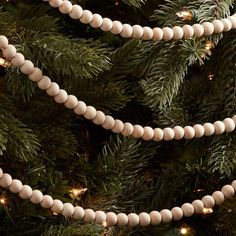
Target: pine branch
[(135, 3)]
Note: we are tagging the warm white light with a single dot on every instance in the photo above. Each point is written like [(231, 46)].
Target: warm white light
[(183, 230), (3, 200), (75, 192), (104, 224), (209, 45), (4, 62), (207, 211), (185, 14)]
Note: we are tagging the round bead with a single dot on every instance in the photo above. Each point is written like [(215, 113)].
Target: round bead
[(117, 27), (6, 180), (99, 118), (148, 133), (18, 60), (166, 216), (55, 3), (65, 7), (155, 217), (27, 68), (57, 206), (9, 52), (36, 197), (109, 122), (76, 12), (97, 21), (169, 134), (100, 217), (44, 83), (133, 219), (16, 186), (234, 119), (68, 210), (218, 197), (219, 127), (118, 127), (228, 191), (189, 132), (198, 30), (61, 97), (106, 25), (36, 75), (188, 209), (1, 173), (128, 129), (127, 31), (122, 219), (158, 134), (81, 108), (26, 192), (78, 213), (3, 42), (234, 184), (144, 219), (229, 124), (137, 31), (138, 131), (208, 201), (147, 33), (90, 113), (86, 17), (209, 129), (233, 21), (208, 28), (71, 102), (177, 213), (53, 90), (89, 216), (198, 206), (178, 33), (157, 34), (188, 31), (227, 24), (167, 33), (199, 130), (218, 26), (111, 218), (46, 202), (179, 132)]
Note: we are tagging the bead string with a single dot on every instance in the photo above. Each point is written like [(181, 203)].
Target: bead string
[(106, 121), (146, 33), (111, 218)]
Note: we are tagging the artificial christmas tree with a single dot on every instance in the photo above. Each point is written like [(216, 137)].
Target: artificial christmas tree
[(146, 141)]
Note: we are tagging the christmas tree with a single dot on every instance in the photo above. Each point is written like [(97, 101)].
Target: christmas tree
[(148, 124)]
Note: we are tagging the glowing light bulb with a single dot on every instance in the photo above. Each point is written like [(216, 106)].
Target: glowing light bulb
[(183, 230), (104, 224), (185, 15), (75, 192), (211, 76), (3, 200), (4, 63), (207, 211), (209, 45)]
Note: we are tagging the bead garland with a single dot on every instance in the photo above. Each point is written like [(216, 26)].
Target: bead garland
[(108, 122), (111, 218), (146, 33)]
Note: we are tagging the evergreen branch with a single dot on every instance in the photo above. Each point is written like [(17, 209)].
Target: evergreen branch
[(135, 3)]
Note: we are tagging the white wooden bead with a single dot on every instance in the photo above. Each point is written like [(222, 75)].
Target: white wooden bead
[(55, 3), (44, 83), (97, 21), (18, 60), (219, 127), (9, 52), (198, 30), (65, 7), (117, 27), (16, 186), (128, 129), (6, 180), (86, 17), (76, 12), (169, 134), (188, 209), (229, 125), (61, 97), (36, 75), (127, 31), (137, 32), (148, 133), (90, 113), (218, 26), (122, 219), (227, 25), (68, 210), (233, 21), (144, 219), (57, 206), (209, 129), (3, 42), (189, 132), (177, 213), (99, 118), (118, 127), (155, 217), (1, 173), (138, 131), (188, 31), (178, 33), (36, 197), (111, 218), (199, 130), (228, 191), (208, 28), (53, 90), (26, 192), (133, 219), (46, 202), (198, 206), (106, 24), (166, 215), (157, 34), (208, 201), (89, 216), (167, 33), (109, 123), (27, 68), (147, 33), (78, 213), (179, 132), (234, 119), (218, 197), (158, 134), (234, 185), (81, 108), (71, 102), (100, 217)]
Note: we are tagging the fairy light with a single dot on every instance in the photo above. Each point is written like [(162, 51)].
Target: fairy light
[(209, 45), (3, 200), (4, 63), (207, 211), (185, 15), (211, 76), (75, 192), (104, 224), (183, 230)]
